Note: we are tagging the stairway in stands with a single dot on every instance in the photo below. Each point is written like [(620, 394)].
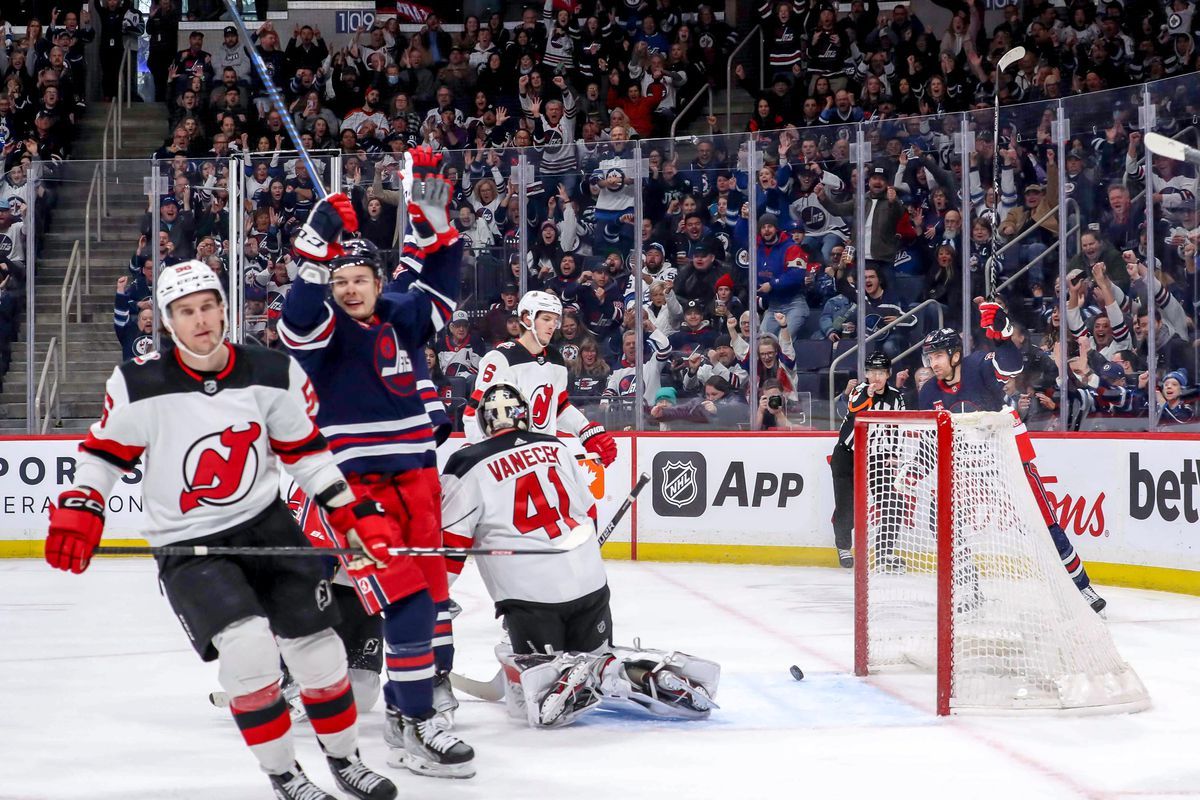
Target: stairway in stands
[(94, 349)]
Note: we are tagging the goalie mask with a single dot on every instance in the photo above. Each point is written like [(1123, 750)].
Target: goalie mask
[(503, 407)]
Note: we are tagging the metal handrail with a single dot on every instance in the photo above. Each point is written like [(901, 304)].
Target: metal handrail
[(70, 291), (51, 401), (93, 194), (756, 31), (1076, 229), (912, 312), (706, 90)]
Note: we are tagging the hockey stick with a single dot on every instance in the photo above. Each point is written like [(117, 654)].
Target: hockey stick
[(633, 493), (493, 690), (564, 544), (1007, 60), (276, 99)]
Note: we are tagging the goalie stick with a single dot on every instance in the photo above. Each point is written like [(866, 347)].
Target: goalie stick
[(493, 690)]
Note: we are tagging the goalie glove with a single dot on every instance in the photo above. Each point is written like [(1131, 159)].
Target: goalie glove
[(365, 527), (317, 240), (429, 200), (76, 524), (600, 442), (994, 320)]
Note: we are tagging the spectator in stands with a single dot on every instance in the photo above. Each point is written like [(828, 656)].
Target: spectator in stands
[(1173, 410), (178, 224), (12, 237), (10, 317), (133, 324), (885, 212)]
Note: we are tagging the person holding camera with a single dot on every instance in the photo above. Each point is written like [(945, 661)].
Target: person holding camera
[(872, 395), (772, 407)]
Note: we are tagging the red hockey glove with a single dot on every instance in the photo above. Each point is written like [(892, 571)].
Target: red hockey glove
[(317, 239), (600, 442), (364, 526), (76, 524), (994, 320), (429, 201)]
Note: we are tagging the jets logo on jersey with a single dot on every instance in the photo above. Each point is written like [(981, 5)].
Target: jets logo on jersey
[(540, 402), (570, 352), (392, 361), (627, 384), (813, 217), (219, 469), (144, 347)]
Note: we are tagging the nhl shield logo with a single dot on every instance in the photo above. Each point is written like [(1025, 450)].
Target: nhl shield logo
[(210, 386), (681, 484)]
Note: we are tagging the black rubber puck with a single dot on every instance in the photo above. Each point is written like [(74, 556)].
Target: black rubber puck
[(797, 673)]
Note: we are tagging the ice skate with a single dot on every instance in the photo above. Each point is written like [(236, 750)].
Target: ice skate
[(295, 785), (444, 701), (1094, 600), (427, 748), (355, 778), (572, 691), (845, 558)]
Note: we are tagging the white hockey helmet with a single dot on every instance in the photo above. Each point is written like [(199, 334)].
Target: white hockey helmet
[(533, 302), (180, 280), (501, 407)]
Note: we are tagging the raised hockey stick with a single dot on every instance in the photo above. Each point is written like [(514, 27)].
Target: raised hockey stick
[(276, 99), (564, 544), (493, 690), (643, 479)]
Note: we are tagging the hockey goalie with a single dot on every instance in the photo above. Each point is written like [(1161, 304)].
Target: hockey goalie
[(515, 489)]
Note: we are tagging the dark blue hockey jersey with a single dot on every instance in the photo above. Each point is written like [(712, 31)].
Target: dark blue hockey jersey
[(379, 410), (980, 385)]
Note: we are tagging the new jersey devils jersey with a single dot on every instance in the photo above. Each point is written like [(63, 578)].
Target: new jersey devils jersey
[(541, 378), (209, 441), (518, 491)]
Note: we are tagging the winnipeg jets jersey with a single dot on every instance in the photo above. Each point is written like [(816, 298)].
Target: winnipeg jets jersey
[(516, 491), (541, 378), (209, 442)]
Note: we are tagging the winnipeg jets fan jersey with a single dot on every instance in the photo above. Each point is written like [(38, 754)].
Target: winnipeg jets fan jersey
[(521, 491), (541, 378), (209, 442)]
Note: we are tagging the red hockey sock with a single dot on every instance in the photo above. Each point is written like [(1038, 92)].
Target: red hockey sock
[(264, 721)]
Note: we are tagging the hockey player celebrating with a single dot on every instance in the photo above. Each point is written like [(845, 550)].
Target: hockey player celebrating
[(215, 482), (874, 394), (539, 372), (516, 487), (364, 351), (976, 383)]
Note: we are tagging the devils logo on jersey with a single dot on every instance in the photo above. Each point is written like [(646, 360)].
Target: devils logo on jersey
[(393, 363), (540, 401), (219, 469)]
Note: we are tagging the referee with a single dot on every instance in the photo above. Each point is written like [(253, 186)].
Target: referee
[(873, 395)]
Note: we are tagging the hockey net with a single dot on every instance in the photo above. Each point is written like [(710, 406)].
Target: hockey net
[(957, 573)]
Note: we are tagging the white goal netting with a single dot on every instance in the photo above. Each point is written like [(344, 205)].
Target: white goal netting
[(1015, 633)]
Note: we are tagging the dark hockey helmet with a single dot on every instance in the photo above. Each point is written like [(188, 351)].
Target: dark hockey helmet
[(946, 339), (879, 360), (358, 253), (501, 407)]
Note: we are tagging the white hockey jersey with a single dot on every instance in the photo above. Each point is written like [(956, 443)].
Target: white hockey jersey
[(209, 442), (541, 378), (521, 490)]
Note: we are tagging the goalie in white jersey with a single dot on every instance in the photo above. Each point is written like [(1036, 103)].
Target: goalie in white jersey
[(539, 372), (214, 420), (519, 489)]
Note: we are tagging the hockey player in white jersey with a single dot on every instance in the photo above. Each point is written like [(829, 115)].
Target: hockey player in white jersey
[(215, 420), (538, 370), (518, 487)]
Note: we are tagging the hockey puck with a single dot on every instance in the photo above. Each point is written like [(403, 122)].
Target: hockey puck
[(219, 699), (797, 673)]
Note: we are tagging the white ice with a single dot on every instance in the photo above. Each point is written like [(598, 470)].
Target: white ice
[(103, 698)]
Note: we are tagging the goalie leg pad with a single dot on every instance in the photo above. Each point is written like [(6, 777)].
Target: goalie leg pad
[(549, 691), (665, 684)]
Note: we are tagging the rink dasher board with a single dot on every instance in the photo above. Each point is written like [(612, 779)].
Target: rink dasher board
[(1130, 501)]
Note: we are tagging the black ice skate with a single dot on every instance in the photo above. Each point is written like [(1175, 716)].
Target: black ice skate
[(295, 785), (427, 748), (846, 558), (355, 778), (1094, 600)]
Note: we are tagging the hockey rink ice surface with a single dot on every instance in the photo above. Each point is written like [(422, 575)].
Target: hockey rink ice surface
[(104, 698)]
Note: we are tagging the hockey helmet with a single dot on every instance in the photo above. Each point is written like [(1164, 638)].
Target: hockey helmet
[(946, 339), (180, 280), (501, 407), (358, 253), (535, 301), (879, 360)]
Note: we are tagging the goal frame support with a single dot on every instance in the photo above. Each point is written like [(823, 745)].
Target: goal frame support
[(941, 423)]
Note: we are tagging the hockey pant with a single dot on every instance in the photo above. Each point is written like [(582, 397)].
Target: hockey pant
[(614, 678), (841, 464), (1066, 551)]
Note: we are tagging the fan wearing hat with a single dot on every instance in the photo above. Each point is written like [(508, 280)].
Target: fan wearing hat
[(178, 223), (698, 280), (696, 334), (823, 228), (458, 349), (725, 304), (782, 267), (1118, 394), (1173, 409), (884, 211)]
